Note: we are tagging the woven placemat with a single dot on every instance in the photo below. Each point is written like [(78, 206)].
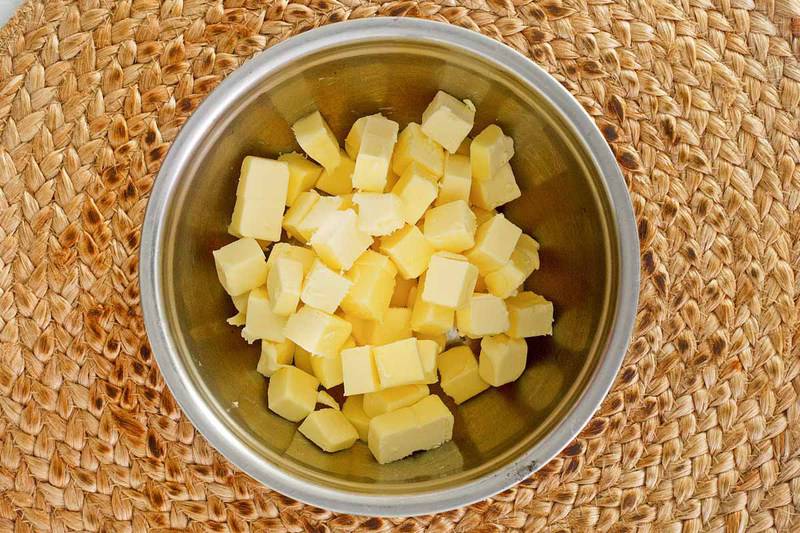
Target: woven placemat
[(700, 100)]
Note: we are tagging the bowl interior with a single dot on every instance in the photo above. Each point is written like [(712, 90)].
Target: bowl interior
[(562, 206)]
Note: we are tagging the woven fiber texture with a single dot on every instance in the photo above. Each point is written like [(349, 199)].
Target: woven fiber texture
[(700, 101)]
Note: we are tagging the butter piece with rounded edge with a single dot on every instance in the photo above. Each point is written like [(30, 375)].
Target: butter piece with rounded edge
[(292, 393), (240, 266), (339, 242), (456, 182), (450, 227), (353, 410), (375, 149), (373, 280), (323, 288), (483, 314), (316, 331), (261, 321), (386, 400), (414, 146), (460, 378), (317, 140), (449, 281), (274, 355), (529, 315), (490, 150), (329, 429), (409, 250), (448, 121), (417, 189), (303, 174), (502, 359)]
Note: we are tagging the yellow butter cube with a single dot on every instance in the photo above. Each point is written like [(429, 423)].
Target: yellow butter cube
[(283, 249), (347, 202), (240, 303), (495, 240), (428, 318), (457, 180), (417, 189), (508, 278), (483, 215), (240, 266), (324, 208), (323, 398), (451, 227), (395, 325), (373, 279), (500, 189), (359, 371), (340, 179), (317, 140), (440, 339), (383, 401), (459, 374), (379, 213), (502, 359), (483, 314), (262, 322), (398, 363), (303, 174), (295, 215), (448, 121), (428, 351), (375, 153), (338, 241), (409, 250), (529, 315), (260, 199), (434, 420), (490, 150), (329, 429), (449, 281), (353, 410), (302, 360), (292, 393), (402, 289), (274, 355), (328, 369), (463, 148), (316, 331), (353, 140), (284, 281), (323, 288), (414, 146)]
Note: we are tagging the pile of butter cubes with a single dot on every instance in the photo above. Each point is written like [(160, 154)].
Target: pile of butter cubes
[(392, 248)]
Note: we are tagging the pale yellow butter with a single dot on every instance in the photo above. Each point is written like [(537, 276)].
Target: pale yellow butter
[(353, 410), (262, 322), (457, 180), (374, 153), (240, 266), (323, 288), (303, 174), (353, 140), (398, 363), (483, 215), (327, 368), (508, 278), (500, 189), (292, 393), (483, 314), (450, 227), (459, 374), (329, 429), (428, 351), (323, 398), (359, 371), (428, 318), (373, 279), (394, 326), (317, 216), (529, 315), (317, 140), (439, 338), (240, 303), (260, 199), (414, 146), (284, 281), (274, 355), (449, 281), (316, 331), (298, 253), (495, 240), (502, 359), (434, 421), (490, 150), (302, 360), (379, 213), (409, 250), (383, 401), (340, 179), (338, 241), (417, 189), (448, 121), (295, 215), (402, 289)]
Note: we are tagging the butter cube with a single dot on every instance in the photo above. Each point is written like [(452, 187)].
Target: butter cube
[(483, 314), (340, 179), (260, 199), (302, 360), (500, 189), (292, 393), (375, 153), (352, 142), (451, 227), (303, 174), (338, 241), (490, 150), (409, 250), (483, 215), (508, 278), (379, 213), (373, 279), (283, 249), (383, 401), (328, 369), (274, 355), (317, 140), (448, 121), (353, 410), (402, 290), (323, 398), (395, 325), (240, 266), (398, 363), (329, 429), (440, 339), (459, 374), (428, 350), (434, 420), (417, 189), (449, 281), (457, 180), (502, 359), (414, 146), (317, 331), (529, 315), (359, 371), (295, 215), (324, 208), (495, 240), (261, 322), (323, 288), (284, 281), (428, 318), (240, 303)]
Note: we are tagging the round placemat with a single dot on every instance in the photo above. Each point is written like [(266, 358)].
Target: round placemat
[(700, 101)]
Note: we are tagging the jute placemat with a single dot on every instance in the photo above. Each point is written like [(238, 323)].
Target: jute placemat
[(700, 100)]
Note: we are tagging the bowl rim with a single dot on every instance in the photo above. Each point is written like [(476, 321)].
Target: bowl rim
[(586, 133)]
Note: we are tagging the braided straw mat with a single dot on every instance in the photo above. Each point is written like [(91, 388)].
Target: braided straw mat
[(700, 100)]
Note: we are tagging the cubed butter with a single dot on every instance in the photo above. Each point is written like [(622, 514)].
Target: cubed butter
[(402, 290), (490, 150), (398, 363), (260, 199), (483, 215), (502, 359), (317, 140), (240, 303), (327, 369), (284, 281), (395, 325), (434, 420), (353, 140), (295, 215), (440, 339), (303, 174), (508, 278), (417, 189), (448, 121), (483, 314), (449, 281), (340, 179), (329, 429), (373, 279), (428, 318), (338, 241), (375, 153), (274, 355), (409, 250), (292, 393), (323, 398), (379, 213), (262, 322), (500, 189), (495, 240), (450, 227), (359, 371), (316, 331), (298, 253), (459, 374), (383, 401), (324, 208), (240, 266), (353, 410), (302, 360), (428, 352), (457, 180), (414, 146), (529, 315), (323, 288)]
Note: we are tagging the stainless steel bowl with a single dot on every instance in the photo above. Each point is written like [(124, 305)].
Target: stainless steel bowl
[(574, 202)]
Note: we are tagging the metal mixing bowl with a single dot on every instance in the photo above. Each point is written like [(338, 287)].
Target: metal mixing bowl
[(574, 203)]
